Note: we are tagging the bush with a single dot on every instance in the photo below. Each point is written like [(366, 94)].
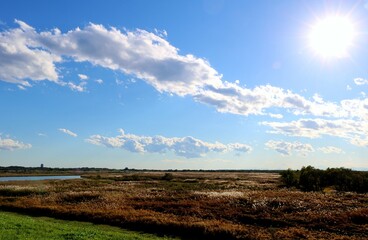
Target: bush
[(168, 176)]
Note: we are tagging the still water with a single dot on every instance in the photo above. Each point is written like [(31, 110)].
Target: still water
[(35, 178)]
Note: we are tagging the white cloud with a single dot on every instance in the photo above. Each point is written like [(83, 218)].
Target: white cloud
[(348, 88), (139, 53), (81, 87), (22, 59), (360, 81), (188, 147), (330, 149), (356, 132), (31, 55), (99, 81), (356, 108), (119, 82), (21, 87), (273, 115), (286, 148), (66, 131), (83, 77), (10, 144), (78, 88), (231, 98)]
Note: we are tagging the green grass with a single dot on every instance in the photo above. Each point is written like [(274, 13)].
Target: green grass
[(14, 226)]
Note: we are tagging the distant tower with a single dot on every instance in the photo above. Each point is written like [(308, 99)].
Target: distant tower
[(41, 165)]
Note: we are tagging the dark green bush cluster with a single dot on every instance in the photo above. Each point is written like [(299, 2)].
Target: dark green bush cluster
[(312, 179), (168, 177)]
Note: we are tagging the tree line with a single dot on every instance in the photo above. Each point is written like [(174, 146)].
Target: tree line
[(313, 179)]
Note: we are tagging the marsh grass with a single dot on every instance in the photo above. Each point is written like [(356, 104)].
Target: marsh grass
[(19, 191), (199, 205), (78, 197)]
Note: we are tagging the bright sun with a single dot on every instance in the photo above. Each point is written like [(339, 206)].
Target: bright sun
[(332, 37)]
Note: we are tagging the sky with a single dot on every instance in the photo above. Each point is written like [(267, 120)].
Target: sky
[(194, 84)]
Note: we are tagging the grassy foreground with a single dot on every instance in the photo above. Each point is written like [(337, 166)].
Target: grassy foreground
[(15, 226)]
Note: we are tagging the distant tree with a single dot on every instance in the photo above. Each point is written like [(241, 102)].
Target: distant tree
[(340, 178), (290, 178), (360, 182), (310, 179)]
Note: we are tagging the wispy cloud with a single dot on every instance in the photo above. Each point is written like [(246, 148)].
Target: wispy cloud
[(274, 115), (286, 148), (11, 144), (360, 81), (356, 132), (21, 87), (99, 81), (66, 131), (188, 147), (330, 149), (83, 77), (81, 87)]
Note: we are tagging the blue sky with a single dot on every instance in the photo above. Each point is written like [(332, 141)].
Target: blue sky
[(184, 84)]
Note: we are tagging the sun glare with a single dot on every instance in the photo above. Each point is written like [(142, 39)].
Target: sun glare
[(332, 37)]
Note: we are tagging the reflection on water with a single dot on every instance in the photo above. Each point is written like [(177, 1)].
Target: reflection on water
[(35, 178)]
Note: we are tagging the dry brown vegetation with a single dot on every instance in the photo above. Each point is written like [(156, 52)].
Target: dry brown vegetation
[(196, 205)]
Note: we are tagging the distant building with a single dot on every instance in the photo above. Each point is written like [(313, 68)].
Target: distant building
[(41, 165)]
